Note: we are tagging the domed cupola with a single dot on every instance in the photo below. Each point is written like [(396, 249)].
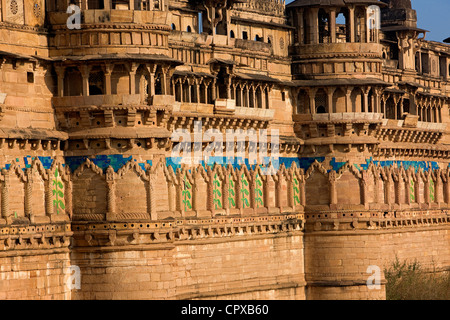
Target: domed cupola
[(336, 38)]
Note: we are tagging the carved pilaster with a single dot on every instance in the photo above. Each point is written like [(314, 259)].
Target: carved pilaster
[(29, 193), (5, 194), (332, 180), (111, 194), (49, 195)]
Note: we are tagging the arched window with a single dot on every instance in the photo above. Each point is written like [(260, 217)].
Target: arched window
[(232, 34), (188, 29), (321, 101), (173, 26), (258, 38)]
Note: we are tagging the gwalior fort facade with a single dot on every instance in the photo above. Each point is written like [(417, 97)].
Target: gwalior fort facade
[(89, 186)]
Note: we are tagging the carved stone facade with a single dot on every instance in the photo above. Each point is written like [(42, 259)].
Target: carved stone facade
[(88, 177)]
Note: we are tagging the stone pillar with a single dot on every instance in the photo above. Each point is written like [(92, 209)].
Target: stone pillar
[(108, 72), (189, 92), (263, 98), (151, 68), (213, 91), (132, 74), (348, 101), (312, 99), (247, 97), (107, 4), (366, 100), (197, 90), (351, 11), (331, 107), (164, 72), (84, 5), (314, 18), (367, 27), (60, 71), (131, 4), (85, 70), (333, 25)]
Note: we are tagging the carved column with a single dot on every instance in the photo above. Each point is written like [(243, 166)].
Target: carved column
[(333, 25), (331, 108), (85, 71), (165, 71), (314, 23), (132, 74), (111, 194), (29, 193), (49, 195), (351, 11), (5, 194), (366, 99), (348, 101), (60, 71), (312, 99), (210, 196), (108, 71)]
